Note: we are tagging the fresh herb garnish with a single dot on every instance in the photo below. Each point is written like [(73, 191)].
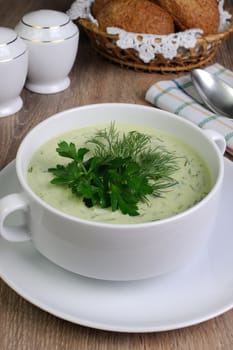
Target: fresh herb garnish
[(116, 171)]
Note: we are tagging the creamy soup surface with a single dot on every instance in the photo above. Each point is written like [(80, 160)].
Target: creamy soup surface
[(193, 178)]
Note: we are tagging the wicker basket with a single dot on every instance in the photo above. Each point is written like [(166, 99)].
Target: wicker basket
[(200, 55)]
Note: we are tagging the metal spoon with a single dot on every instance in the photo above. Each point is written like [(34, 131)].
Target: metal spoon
[(214, 92)]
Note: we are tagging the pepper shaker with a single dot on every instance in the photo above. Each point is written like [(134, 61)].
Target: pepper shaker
[(13, 71), (52, 41)]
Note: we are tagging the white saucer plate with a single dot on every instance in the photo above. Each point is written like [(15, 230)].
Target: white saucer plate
[(201, 291)]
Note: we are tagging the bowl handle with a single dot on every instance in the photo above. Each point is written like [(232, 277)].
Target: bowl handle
[(8, 205), (217, 138)]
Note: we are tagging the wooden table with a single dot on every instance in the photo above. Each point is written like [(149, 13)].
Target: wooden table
[(93, 79)]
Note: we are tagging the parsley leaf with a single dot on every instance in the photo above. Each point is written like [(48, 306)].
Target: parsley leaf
[(119, 173)]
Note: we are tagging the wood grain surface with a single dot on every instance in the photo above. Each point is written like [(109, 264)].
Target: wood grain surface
[(93, 79)]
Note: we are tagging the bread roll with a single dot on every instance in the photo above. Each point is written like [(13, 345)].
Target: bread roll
[(138, 16), (98, 6), (189, 14)]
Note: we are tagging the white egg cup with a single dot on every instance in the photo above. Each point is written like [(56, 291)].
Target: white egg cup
[(52, 41), (13, 71)]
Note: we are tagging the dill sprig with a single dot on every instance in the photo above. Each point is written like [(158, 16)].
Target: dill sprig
[(119, 172), (108, 142)]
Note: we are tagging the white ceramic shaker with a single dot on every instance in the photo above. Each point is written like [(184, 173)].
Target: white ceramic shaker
[(52, 41), (13, 71)]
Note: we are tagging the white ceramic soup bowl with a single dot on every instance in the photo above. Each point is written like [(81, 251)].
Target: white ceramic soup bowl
[(115, 251)]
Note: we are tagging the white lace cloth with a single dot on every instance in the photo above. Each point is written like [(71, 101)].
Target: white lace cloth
[(149, 45)]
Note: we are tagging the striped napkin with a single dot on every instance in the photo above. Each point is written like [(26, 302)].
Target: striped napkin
[(179, 96)]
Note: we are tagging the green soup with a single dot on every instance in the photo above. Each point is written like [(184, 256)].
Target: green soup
[(193, 178)]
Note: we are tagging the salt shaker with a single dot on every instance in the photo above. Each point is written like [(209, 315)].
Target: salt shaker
[(13, 71), (52, 41)]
